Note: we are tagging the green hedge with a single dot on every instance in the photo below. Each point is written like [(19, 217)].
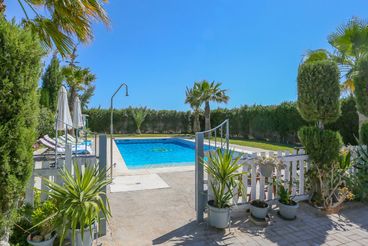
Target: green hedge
[(348, 123), (363, 133), (278, 123), (157, 121)]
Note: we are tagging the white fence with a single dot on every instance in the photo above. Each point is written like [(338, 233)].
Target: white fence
[(290, 175), (43, 170)]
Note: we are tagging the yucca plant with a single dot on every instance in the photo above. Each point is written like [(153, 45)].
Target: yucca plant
[(226, 178), (80, 200)]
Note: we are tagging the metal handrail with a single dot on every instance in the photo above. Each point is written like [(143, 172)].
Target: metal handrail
[(215, 128)]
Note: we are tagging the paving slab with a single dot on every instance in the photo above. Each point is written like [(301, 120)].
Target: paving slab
[(167, 217)]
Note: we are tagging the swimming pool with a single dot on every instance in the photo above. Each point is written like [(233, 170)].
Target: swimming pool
[(146, 153)]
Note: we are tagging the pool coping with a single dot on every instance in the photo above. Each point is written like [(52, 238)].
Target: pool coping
[(121, 169)]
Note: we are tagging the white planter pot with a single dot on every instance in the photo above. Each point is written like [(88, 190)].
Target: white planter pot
[(49, 242), (257, 212), (218, 217), (87, 238), (288, 211)]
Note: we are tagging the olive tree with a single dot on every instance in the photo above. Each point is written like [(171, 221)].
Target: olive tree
[(20, 59)]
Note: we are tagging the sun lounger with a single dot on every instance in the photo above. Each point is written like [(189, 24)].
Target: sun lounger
[(61, 149), (51, 146), (53, 141)]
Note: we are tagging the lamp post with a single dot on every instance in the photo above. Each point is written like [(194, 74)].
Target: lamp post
[(112, 124)]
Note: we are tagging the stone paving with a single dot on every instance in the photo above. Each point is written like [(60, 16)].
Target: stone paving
[(167, 217)]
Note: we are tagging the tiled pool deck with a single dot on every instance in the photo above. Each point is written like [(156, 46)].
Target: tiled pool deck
[(167, 217)]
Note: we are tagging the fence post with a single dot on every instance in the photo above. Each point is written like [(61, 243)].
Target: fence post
[(227, 134), (199, 182), (68, 157), (45, 165), (30, 191), (102, 167)]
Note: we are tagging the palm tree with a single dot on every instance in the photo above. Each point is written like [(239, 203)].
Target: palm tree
[(193, 99), (79, 81), (139, 115), (210, 92), (63, 21), (351, 44), (321, 54)]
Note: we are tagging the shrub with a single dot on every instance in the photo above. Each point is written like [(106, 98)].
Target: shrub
[(363, 133), (19, 236), (348, 123), (20, 59), (278, 123), (361, 87), (46, 122), (319, 91), (322, 146)]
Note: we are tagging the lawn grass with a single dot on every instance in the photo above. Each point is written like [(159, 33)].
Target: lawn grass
[(242, 142), (262, 144)]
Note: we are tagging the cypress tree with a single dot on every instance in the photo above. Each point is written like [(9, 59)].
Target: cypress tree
[(51, 82), (20, 59)]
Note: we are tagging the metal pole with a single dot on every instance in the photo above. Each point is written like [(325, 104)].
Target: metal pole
[(199, 182), (102, 168), (56, 137), (112, 123)]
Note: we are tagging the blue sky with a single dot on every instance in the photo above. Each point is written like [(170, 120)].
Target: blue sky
[(158, 47)]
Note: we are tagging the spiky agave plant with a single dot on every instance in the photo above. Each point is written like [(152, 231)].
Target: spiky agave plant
[(80, 200), (224, 170)]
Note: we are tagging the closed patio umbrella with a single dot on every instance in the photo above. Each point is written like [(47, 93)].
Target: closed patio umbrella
[(77, 114), (77, 118), (63, 118)]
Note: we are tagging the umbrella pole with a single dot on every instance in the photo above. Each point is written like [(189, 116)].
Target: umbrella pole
[(56, 138), (76, 141)]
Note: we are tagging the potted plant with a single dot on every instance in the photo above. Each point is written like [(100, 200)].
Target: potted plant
[(267, 165), (288, 207), (225, 178), (43, 219), (259, 209), (80, 203)]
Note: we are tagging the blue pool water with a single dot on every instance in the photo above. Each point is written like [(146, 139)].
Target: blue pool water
[(144, 153)]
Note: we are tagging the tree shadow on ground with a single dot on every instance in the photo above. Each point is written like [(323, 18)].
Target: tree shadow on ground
[(311, 227), (195, 233)]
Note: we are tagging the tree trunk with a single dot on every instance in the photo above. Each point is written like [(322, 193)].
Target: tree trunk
[(2, 10), (207, 115), (362, 119), (320, 125), (196, 123), (4, 239)]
